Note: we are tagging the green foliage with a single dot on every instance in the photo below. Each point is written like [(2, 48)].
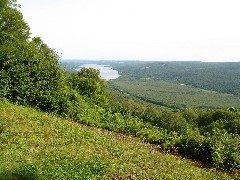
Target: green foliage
[(87, 82), (232, 126), (35, 145), (221, 119), (30, 75), (172, 94), (190, 132), (225, 150), (29, 70), (220, 77), (33, 77), (220, 149), (13, 29), (14, 33), (195, 146)]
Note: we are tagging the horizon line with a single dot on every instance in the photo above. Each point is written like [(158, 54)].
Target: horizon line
[(75, 59)]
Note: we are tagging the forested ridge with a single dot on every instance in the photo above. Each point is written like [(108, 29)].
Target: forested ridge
[(31, 76)]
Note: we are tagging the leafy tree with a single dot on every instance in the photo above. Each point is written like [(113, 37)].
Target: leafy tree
[(88, 83), (29, 69), (14, 34)]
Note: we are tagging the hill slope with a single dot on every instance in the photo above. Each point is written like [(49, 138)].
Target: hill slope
[(35, 145)]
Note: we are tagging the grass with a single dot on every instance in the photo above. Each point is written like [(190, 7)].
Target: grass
[(35, 145)]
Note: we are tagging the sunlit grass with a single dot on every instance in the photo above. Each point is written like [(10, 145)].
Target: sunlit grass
[(35, 145)]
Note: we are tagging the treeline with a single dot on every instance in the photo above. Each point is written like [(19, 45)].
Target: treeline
[(220, 77), (30, 75), (173, 94)]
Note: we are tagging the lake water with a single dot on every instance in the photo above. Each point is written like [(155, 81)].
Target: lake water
[(106, 71)]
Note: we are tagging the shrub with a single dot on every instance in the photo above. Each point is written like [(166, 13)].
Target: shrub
[(231, 126), (225, 150), (194, 146)]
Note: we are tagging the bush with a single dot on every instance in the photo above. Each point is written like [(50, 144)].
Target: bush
[(195, 146), (208, 117), (225, 150), (231, 126)]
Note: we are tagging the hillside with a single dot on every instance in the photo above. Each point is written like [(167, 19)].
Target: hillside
[(35, 145)]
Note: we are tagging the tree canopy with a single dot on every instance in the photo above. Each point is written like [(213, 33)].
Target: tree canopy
[(29, 69), (30, 73), (87, 82)]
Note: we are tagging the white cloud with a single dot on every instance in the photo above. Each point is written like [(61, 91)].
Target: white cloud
[(138, 29)]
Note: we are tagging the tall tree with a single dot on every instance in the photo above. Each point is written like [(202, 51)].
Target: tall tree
[(29, 69)]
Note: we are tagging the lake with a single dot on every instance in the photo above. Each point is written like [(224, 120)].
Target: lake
[(106, 71)]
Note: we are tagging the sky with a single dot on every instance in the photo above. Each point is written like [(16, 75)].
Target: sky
[(163, 30)]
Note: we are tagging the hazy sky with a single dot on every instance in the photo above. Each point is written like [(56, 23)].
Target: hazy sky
[(205, 30)]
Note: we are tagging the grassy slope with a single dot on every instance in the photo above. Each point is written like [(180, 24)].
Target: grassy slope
[(38, 146)]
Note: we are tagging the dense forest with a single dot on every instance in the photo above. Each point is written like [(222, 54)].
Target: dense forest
[(30, 75), (221, 77)]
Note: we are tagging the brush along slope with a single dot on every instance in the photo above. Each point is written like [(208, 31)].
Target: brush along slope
[(35, 145)]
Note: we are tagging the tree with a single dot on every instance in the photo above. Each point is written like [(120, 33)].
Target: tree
[(88, 83), (14, 34), (29, 69)]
